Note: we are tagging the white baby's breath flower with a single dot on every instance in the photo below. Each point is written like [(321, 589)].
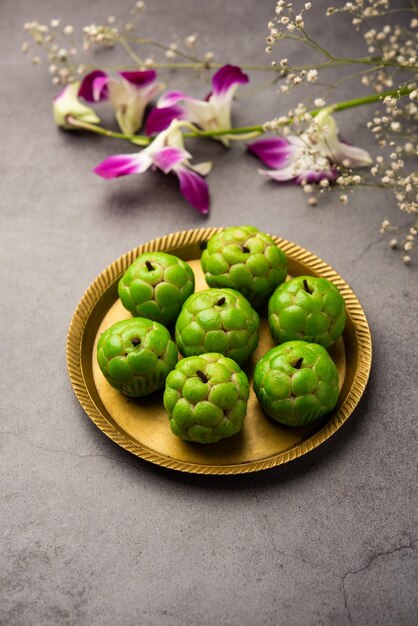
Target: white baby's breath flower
[(312, 76)]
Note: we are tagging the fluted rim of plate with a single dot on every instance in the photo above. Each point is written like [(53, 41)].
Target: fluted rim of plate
[(187, 238)]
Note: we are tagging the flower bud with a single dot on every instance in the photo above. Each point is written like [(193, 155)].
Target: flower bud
[(67, 104)]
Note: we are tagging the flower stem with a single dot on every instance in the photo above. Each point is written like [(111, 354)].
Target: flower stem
[(349, 104), (99, 130), (141, 140)]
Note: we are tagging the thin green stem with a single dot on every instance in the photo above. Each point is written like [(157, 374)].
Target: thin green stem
[(242, 130), (161, 46), (99, 130), (130, 52), (355, 102)]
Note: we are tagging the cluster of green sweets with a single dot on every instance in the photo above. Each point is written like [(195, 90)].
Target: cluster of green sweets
[(216, 331), (206, 398), (307, 308), (296, 383), (218, 320), (155, 286), (136, 355), (247, 260)]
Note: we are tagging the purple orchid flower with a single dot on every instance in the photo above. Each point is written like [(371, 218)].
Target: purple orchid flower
[(213, 113), (128, 95), (166, 153), (311, 156)]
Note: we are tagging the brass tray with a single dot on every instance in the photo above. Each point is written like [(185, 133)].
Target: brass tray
[(141, 426)]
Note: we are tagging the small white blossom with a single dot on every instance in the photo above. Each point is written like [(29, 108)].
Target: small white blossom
[(312, 76)]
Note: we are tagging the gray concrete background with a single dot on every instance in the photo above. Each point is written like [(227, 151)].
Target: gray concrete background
[(92, 535)]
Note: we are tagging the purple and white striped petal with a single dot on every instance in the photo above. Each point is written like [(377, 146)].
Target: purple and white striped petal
[(160, 119), (226, 78), (168, 158), (172, 97), (87, 89), (194, 189), (101, 88), (139, 78), (275, 152), (123, 165), (288, 174)]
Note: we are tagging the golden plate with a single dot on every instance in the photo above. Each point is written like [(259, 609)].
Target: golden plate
[(141, 426)]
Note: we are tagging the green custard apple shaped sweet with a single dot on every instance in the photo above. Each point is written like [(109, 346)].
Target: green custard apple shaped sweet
[(218, 320), (206, 398), (136, 355), (296, 383), (307, 308), (245, 259), (155, 286)]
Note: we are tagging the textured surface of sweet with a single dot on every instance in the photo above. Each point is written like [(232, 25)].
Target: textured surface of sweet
[(136, 355), (296, 383), (307, 308), (206, 398), (218, 320), (155, 286), (245, 259)]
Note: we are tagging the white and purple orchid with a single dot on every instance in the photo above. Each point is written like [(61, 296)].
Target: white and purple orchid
[(213, 113), (66, 105), (128, 95), (166, 153), (311, 156)]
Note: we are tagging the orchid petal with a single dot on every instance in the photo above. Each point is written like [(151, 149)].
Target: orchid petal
[(167, 158), (227, 77), (351, 156), (86, 87), (274, 152), (315, 176), (123, 165), (194, 189), (139, 78), (160, 119), (130, 116), (203, 169), (100, 88), (66, 104), (288, 174), (329, 143), (170, 98), (129, 103)]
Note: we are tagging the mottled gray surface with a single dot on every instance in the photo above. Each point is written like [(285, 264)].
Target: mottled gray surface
[(92, 535)]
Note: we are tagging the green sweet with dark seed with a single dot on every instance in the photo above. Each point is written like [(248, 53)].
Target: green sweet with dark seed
[(245, 259), (206, 398), (136, 355), (296, 383), (307, 308), (155, 286), (218, 320)]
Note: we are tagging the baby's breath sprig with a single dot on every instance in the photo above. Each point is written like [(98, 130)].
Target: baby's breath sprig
[(389, 65)]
